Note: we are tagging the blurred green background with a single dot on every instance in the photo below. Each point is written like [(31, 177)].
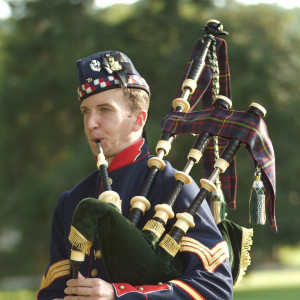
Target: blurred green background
[(42, 143)]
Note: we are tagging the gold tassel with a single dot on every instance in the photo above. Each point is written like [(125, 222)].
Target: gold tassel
[(245, 259), (257, 209), (79, 241)]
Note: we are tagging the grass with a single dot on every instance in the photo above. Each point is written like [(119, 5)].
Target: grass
[(18, 295), (270, 285), (268, 294)]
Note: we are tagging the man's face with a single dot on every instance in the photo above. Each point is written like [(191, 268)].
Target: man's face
[(107, 118)]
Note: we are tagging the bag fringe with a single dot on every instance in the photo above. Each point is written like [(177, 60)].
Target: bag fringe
[(245, 260), (79, 241)]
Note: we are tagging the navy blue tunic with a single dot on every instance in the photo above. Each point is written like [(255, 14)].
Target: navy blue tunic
[(207, 275)]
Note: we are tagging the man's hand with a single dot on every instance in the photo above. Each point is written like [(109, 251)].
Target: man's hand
[(89, 288)]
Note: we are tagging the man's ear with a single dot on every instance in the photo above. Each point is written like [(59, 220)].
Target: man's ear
[(141, 118)]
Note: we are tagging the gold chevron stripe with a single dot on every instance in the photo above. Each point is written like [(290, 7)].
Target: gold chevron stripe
[(211, 258), (188, 289), (58, 269)]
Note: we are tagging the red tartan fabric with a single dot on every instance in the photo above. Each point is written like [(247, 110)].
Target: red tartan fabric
[(228, 124)]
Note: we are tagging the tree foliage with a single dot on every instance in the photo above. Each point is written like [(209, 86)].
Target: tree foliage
[(42, 142)]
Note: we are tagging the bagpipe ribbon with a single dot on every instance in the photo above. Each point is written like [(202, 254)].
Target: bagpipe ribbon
[(205, 92), (204, 88), (248, 128)]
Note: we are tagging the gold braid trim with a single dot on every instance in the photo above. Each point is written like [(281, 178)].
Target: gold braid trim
[(188, 289), (245, 260), (211, 258), (155, 227), (170, 245), (79, 241), (57, 270)]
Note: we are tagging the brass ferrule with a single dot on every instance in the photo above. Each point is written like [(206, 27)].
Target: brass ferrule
[(208, 185), (184, 221), (189, 83), (155, 161), (185, 178), (182, 103), (260, 107), (141, 203), (101, 160), (164, 145), (222, 164), (195, 154), (77, 255), (111, 197), (164, 212)]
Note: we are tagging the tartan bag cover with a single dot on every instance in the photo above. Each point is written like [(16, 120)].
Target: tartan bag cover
[(250, 129)]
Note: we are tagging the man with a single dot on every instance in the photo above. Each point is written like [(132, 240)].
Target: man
[(114, 103)]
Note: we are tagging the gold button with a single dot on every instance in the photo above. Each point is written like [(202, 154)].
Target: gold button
[(160, 283), (121, 287), (98, 254), (140, 288), (94, 272), (110, 180)]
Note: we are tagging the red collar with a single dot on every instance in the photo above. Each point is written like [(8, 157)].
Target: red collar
[(127, 156)]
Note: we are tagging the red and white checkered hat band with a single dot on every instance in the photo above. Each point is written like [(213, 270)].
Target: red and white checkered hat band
[(111, 81)]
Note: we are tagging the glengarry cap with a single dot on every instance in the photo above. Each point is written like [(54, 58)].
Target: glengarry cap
[(107, 70)]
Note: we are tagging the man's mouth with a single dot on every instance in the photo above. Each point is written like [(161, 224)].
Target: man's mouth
[(97, 140)]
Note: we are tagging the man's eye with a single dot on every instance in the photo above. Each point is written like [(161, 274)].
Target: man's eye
[(84, 111), (104, 109)]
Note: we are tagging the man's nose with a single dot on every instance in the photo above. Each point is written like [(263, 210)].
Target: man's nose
[(93, 121)]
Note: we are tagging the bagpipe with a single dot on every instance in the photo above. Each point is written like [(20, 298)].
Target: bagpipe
[(217, 127)]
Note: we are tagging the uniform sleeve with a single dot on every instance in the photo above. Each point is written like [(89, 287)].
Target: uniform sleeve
[(58, 269), (207, 274)]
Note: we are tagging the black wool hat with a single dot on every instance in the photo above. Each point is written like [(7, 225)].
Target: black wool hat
[(107, 70)]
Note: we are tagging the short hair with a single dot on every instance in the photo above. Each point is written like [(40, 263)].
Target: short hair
[(138, 99)]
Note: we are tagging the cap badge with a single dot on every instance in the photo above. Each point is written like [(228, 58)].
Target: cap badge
[(114, 65), (95, 65)]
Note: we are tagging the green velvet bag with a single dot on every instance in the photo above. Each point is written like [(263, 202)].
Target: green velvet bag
[(128, 253)]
